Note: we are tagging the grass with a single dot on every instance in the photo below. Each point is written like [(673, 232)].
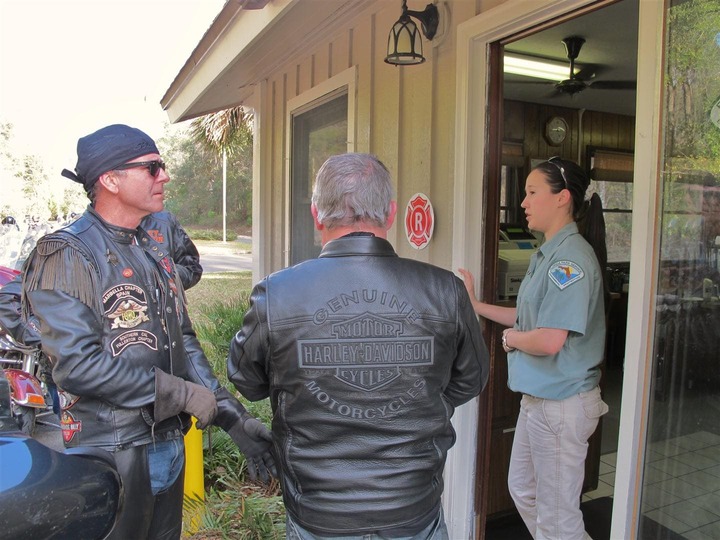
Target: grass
[(223, 289), (235, 507)]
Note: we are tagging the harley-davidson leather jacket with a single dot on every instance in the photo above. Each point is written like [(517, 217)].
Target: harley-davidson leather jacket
[(112, 311), (365, 356)]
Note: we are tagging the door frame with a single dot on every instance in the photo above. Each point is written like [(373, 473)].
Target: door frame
[(474, 142)]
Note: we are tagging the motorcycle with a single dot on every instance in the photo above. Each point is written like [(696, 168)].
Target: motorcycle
[(27, 395), (21, 365)]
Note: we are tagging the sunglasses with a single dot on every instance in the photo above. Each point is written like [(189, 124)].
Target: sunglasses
[(153, 166), (555, 161)]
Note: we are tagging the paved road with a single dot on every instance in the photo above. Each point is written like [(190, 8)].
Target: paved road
[(225, 262), (47, 431), (223, 257)]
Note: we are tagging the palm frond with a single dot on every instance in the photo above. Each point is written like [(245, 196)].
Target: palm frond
[(228, 130)]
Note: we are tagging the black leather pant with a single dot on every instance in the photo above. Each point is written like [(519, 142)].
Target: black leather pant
[(142, 514)]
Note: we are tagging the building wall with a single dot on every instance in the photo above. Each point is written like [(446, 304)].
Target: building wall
[(404, 115)]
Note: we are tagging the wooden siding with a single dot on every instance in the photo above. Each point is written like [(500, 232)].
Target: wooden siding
[(404, 115)]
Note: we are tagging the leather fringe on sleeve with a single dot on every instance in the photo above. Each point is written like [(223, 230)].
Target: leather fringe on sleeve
[(61, 265)]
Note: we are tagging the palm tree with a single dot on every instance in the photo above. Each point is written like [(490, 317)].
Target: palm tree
[(228, 132)]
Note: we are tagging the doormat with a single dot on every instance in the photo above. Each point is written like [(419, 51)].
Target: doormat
[(597, 515)]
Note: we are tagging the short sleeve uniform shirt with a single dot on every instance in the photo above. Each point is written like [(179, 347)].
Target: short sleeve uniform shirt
[(562, 289)]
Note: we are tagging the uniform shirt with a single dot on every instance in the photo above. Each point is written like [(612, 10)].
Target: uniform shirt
[(562, 289)]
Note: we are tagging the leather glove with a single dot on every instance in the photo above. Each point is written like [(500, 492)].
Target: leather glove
[(174, 395), (255, 441)]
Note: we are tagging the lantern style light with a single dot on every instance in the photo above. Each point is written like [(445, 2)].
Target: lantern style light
[(404, 41)]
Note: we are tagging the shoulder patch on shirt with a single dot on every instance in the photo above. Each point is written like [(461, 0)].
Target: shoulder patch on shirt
[(565, 273)]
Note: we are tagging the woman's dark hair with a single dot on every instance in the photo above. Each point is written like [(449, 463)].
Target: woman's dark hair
[(563, 174)]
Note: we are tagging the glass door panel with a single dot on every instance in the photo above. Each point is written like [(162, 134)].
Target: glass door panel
[(681, 477)]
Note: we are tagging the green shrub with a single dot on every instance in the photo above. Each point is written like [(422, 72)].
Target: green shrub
[(218, 325), (235, 507), (205, 234)]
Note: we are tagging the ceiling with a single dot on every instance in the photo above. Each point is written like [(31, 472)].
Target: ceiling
[(610, 45)]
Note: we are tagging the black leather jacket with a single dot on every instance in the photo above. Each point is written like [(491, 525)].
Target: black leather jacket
[(112, 310), (163, 227), (365, 356)]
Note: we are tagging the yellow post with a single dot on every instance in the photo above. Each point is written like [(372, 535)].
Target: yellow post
[(194, 479)]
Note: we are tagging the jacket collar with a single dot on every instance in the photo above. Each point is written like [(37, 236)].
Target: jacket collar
[(120, 234), (358, 245)]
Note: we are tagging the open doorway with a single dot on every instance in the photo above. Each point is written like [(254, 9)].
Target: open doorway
[(590, 119)]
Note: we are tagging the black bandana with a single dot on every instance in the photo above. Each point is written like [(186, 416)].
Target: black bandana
[(107, 148)]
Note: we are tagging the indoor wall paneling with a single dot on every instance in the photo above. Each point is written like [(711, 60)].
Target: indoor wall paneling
[(513, 121), (525, 122)]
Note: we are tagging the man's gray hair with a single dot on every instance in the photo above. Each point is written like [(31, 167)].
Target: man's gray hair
[(352, 188)]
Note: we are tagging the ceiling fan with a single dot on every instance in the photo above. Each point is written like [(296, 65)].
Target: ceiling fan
[(582, 80)]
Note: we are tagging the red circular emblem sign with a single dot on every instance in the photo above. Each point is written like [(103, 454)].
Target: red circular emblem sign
[(419, 221)]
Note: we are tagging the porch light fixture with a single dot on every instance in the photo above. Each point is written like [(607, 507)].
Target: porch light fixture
[(534, 67), (404, 42)]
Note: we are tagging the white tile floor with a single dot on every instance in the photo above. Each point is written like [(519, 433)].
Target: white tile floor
[(681, 484)]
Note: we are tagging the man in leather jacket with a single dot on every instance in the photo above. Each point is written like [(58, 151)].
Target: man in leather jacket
[(365, 356), (162, 226), (113, 319)]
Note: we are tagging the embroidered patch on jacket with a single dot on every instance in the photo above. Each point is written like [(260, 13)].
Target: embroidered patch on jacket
[(134, 337), (565, 273), (156, 235), (125, 305), (70, 426)]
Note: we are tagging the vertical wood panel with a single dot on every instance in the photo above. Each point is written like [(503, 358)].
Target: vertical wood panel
[(513, 121), (442, 178), (386, 92), (610, 134), (339, 58), (277, 91), (304, 74), (364, 51), (414, 145), (321, 64)]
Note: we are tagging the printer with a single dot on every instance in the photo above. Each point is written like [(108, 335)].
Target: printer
[(517, 244), (517, 237), (512, 267)]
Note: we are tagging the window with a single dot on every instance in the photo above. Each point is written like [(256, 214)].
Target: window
[(611, 172), (512, 184), (317, 134)]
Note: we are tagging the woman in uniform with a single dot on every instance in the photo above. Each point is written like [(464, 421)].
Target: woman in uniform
[(555, 344)]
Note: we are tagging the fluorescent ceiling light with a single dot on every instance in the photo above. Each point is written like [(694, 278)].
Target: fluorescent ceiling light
[(540, 69)]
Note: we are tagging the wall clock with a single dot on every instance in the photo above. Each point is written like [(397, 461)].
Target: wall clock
[(556, 129)]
